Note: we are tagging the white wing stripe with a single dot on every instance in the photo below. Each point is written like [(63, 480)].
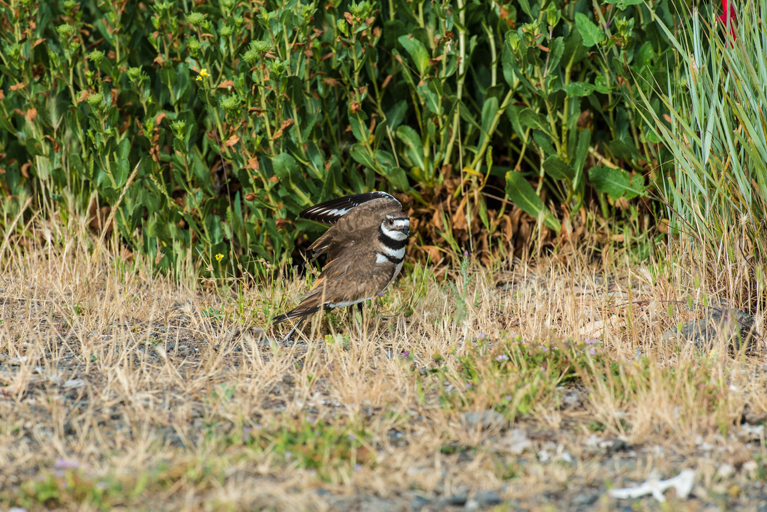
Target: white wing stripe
[(334, 212)]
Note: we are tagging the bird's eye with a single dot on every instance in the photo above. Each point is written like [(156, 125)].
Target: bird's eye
[(389, 222)]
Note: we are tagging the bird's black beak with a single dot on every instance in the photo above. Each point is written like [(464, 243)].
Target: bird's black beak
[(406, 230)]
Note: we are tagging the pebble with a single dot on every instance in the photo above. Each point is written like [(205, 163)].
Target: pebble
[(488, 498), (418, 502), (483, 419)]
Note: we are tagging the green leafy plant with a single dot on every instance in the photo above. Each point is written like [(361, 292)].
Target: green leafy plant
[(195, 134)]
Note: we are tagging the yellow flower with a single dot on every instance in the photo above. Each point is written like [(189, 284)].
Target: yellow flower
[(219, 257), (203, 75)]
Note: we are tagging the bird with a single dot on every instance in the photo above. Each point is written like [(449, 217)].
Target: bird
[(365, 249)]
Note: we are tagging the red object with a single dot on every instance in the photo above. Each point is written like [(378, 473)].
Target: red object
[(728, 16)]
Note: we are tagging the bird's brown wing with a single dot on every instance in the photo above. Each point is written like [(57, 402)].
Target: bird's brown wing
[(354, 228), (332, 211), (343, 282)]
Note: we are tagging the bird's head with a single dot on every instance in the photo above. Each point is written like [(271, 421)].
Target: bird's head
[(396, 225)]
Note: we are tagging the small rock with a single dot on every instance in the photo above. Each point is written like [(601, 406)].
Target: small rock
[(563, 454), (488, 498), (543, 456), (572, 399), (483, 419), (416, 470), (585, 499), (472, 505), (724, 471), (751, 432), (456, 500), (754, 417), (74, 383), (593, 441), (750, 467), (418, 502), (618, 445), (733, 325), (516, 441)]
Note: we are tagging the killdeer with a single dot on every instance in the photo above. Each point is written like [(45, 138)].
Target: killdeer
[(365, 249)]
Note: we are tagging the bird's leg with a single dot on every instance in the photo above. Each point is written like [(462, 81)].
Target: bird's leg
[(296, 326)]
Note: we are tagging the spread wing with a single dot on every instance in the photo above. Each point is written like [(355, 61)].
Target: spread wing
[(356, 227), (331, 211)]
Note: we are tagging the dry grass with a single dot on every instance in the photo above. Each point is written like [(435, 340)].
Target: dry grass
[(119, 389)]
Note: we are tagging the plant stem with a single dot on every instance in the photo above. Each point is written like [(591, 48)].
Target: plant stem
[(493, 126), (493, 55), (461, 78)]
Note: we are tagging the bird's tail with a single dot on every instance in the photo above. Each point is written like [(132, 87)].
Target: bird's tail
[(311, 303), (300, 312)]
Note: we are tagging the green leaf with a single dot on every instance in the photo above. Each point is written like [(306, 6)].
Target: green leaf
[(396, 114), (533, 120), (413, 143), (615, 182), (600, 85), (489, 110), (622, 4), (637, 184), (386, 159), (395, 174), (574, 50), (361, 155), (295, 90), (526, 7), (431, 99), (398, 178), (465, 113), (590, 33), (359, 128), (625, 150), (557, 169), (513, 114), (508, 60), (544, 142), (557, 48), (285, 166), (523, 195), (581, 152), (417, 52), (578, 89)]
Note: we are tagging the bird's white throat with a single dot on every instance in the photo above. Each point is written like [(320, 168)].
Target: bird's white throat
[(395, 234)]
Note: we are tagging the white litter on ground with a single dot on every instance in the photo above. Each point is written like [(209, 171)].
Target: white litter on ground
[(683, 483)]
